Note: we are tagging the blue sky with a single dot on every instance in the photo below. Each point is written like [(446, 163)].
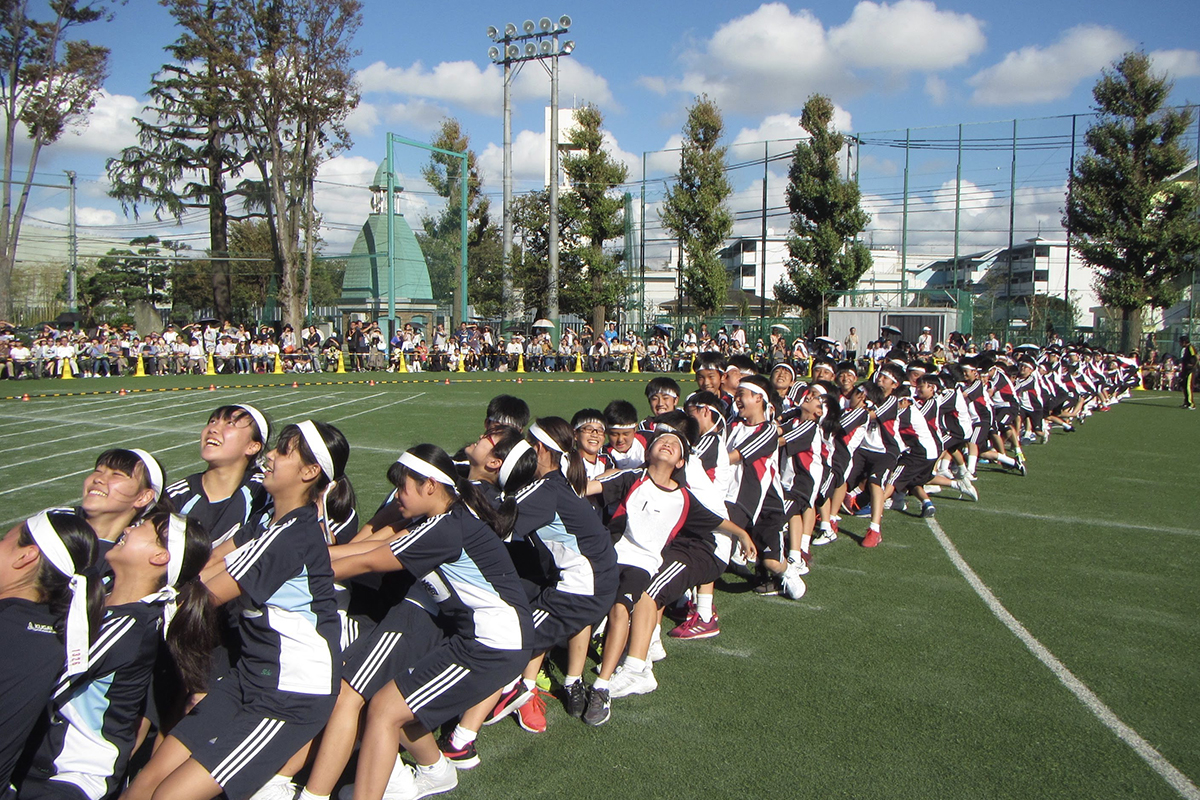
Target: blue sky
[(887, 65)]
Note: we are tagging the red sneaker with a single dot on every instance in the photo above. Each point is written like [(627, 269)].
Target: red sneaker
[(696, 628), (873, 538), (532, 715), (509, 702)]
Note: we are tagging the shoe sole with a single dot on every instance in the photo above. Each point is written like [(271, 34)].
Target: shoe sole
[(463, 764), (705, 635), (598, 723), (525, 727), (520, 701)]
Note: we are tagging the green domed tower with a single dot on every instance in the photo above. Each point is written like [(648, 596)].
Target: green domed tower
[(365, 286)]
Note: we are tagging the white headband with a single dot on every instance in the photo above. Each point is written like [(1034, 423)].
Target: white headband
[(564, 460), (631, 427), (758, 390), (586, 420), (258, 418), (153, 471), (169, 594), (423, 467), (668, 392), (318, 447), (78, 632), (510, 461)]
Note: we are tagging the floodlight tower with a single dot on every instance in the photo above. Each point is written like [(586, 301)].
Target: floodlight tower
[(531, 42)]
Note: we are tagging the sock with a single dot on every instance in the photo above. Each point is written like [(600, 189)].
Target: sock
[(530, 683), (462, 737), (571, 680), (704, 607), (1006, 461), (972, 461), (436, 766), (635, 664), (925, 503), (305, 794), (795, 556), (600, 683), (873, 527)]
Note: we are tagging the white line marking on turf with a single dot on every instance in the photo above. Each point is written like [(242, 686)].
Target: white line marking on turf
[(1095, 523), (1176, 779), (378, 408)]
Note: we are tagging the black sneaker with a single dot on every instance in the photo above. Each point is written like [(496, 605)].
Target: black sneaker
[(459, 757), (576, 695), (769, 587), (928, 511), (599, 707)]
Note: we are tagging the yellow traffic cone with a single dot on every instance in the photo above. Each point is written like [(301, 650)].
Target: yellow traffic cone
[(521, 362), (692, 366), (211, 369), (579, 362), (462, 362), (278, 365), (66, 370), (403, 365), (870, 368), (140, 372), (633, 365), (341, 367)]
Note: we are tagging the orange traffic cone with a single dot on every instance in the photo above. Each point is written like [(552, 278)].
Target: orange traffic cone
[(25, 398)]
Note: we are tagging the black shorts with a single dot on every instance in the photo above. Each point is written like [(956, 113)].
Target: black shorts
[(43, 789), (687, 562), (405, 635), (1004, 419), (243, 735), (769, 531), (631, 585), (869, 464), (912, 470), (803, 494), (953, 444), (557, 616), (981, 435), (456, 675)]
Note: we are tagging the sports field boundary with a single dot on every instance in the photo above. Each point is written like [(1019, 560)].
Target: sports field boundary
[(1146, 751)]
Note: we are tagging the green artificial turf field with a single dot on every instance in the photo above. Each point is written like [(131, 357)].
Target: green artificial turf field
[(891, 678)]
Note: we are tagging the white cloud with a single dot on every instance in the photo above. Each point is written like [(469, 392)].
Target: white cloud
[(909, 35), (775, 57), (787, 126), (528, 159), (363, 119), (342, 199), (936, 89), (106, 130), (85, 216), (1038, 74), (481, 90), (1176, 63)]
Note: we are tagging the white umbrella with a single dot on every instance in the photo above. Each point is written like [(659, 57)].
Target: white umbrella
[(543, 323)]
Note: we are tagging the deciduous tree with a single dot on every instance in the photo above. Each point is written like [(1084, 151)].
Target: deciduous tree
[(48, 82)]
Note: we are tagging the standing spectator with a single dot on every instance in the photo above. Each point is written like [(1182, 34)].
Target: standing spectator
[(356, 340), (1187, 370), (852, 345), (925, 341), (992, 343)]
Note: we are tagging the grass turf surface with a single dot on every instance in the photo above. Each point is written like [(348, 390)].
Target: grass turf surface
[(891, 678)]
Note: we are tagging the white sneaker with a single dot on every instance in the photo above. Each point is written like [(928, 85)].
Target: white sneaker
[(629, 681), (439, 778), (793, 585), (657, 652), (799, 567), (276, 791), (933, 488), (400, 786), (968, 489), (824, 537)]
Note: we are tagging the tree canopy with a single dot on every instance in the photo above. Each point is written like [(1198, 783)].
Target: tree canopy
[(825, 258), (695, 211), (1127, 214)]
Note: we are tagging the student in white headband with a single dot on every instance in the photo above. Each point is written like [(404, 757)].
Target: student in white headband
[(44, 600), (124, 486), (229, 491), (155, 593), (287, 676)]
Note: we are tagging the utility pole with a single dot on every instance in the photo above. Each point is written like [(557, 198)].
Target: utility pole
[(73, 250)]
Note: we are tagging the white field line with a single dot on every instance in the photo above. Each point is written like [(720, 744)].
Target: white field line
[(1095, 523), (1166, 770), (379, 408), (57, 419)]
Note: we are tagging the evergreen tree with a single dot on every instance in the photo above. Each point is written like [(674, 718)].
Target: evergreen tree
[(695, 211), (531, 253), (188, 153), (1126, 214), (593, 174), (440, 236), (823, 260)]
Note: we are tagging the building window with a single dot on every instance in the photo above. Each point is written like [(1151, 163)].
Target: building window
[(1041, 275), (1043, 252)]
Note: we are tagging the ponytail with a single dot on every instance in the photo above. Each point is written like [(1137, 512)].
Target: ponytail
[(559, 431)]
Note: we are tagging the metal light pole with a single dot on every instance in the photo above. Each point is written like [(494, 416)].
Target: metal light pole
[(73, 245), (540, 42)]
